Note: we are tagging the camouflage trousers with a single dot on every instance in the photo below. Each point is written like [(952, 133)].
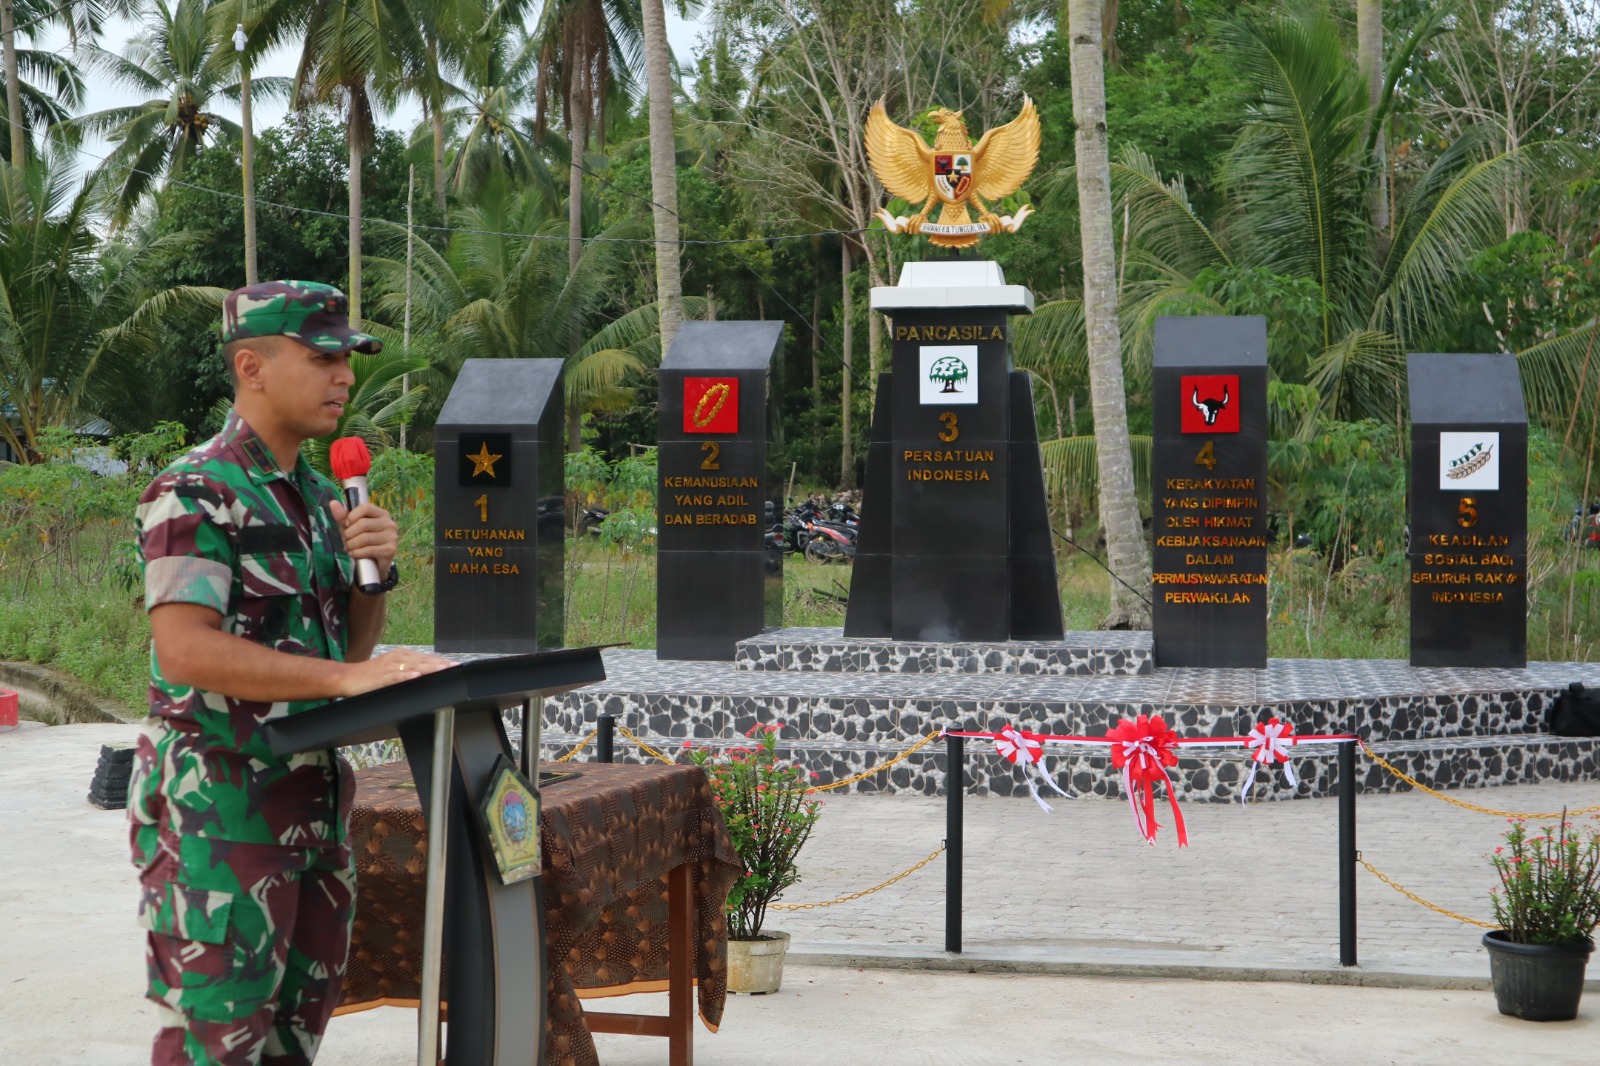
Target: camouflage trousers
[(246, 949)]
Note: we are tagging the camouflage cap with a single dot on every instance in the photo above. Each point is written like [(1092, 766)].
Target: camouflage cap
[(307, 311)]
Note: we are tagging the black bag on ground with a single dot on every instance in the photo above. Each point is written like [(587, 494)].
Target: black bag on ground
[(1575, 713)]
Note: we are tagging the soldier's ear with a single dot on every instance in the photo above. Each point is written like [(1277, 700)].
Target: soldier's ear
[(249, 359)]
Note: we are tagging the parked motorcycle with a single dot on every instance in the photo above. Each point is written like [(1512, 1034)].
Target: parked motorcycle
[(829, 542)]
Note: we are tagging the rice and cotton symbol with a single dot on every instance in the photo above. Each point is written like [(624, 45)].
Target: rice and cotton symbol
[(1476, 458)]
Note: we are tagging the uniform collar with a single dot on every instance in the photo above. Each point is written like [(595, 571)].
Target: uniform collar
[(260, 463)]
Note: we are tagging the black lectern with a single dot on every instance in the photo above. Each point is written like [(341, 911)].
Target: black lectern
[(494, 951)]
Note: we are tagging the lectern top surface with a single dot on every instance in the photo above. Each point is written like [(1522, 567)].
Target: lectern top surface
[(500, 392), (1211, 340), (1476, 387), (723, 346), (489, 682)]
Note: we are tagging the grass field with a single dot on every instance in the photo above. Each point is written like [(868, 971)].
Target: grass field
[(85, 617)]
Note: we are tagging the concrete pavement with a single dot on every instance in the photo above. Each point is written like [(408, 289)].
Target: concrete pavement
[(1072, 896)]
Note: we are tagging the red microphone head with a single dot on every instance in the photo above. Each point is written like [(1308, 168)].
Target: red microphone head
[(349, 458)]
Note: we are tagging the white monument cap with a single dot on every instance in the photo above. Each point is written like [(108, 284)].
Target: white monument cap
[(952, 284)]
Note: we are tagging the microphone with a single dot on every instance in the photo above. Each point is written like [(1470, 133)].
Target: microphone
[(351, 461)]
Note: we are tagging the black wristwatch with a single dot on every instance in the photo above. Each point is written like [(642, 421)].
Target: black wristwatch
[(388, 583)]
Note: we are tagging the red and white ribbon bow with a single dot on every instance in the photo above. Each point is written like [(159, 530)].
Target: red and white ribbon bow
[(1142, 748), (1017, 747), (1269, 742)]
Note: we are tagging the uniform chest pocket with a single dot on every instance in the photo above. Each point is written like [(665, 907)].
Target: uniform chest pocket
[(273, 573)]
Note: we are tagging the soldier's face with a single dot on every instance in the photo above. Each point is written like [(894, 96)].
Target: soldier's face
[(305, 389)]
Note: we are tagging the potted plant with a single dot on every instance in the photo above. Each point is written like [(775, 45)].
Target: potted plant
[(770, 810), (1547, 904)]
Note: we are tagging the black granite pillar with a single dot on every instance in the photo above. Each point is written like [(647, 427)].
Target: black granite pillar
[(498, 496), (955, 535), (716, 583), (1468, 511), (1208, 492)]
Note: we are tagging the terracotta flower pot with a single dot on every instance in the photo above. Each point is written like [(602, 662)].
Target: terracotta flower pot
[(755, 967), (1537, 982)]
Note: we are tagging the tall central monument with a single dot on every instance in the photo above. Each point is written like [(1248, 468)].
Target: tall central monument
[(955, 530)]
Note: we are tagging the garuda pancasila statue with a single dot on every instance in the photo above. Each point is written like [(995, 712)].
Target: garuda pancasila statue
[(953, 173)]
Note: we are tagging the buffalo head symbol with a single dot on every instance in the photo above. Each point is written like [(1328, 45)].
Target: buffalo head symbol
[(1211, 408)]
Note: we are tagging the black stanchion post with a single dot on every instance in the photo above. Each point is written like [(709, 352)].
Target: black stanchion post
[(605, 737), (1347, 854), (955, 786), (530, 735)]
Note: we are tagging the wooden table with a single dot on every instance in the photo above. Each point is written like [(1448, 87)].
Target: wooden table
[(637, 867)]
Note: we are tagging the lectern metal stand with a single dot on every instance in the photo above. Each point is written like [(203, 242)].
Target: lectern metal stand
[(495, 976)]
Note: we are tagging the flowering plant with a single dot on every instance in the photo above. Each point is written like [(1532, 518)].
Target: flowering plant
[(768, 806), (1549, 884)]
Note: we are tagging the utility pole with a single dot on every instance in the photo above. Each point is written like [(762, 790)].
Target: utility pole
[(405, 341), (248, 159)]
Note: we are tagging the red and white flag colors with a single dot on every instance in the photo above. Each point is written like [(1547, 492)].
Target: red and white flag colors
[(1143, 749)]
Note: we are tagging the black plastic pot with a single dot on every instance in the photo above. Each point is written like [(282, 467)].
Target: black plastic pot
[(1537, 982)]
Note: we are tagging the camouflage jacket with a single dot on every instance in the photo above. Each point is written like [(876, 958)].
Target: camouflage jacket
[(225, 527)]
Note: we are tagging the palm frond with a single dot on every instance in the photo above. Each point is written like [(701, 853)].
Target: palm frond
[(1362, 375), (1072, 466)]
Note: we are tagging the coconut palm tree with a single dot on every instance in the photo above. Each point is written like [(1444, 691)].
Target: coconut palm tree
[(180, 66), (663, 167), (587, 51), (78, 321), (28, 106), (1126, 549), (498, 69), (1298, 182), (496, 294), (355, 55)]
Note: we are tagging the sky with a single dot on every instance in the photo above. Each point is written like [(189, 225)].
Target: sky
[(682, 35)]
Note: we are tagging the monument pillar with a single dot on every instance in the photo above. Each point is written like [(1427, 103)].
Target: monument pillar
[(1468, 511), (499, 493), (716, 583), (1208, 492), (955, 534)]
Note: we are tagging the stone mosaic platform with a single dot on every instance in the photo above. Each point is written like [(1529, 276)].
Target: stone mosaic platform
[(827, 650), (1447, 728)]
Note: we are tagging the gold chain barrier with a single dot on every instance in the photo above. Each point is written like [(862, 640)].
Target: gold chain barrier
[(1436, 794), (584, 743), (646, 748), (913, 749), (901, 876), (1413, 897)]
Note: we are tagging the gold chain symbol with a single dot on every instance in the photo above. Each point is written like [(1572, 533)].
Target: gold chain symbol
[(720, 390)]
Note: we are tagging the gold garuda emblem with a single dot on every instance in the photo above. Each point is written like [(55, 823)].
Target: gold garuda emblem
[(953, 173)]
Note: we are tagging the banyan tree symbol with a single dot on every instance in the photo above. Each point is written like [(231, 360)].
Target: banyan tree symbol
[(950, 370)]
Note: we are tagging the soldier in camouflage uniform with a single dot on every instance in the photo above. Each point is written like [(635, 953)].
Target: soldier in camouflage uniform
[(247, 883)]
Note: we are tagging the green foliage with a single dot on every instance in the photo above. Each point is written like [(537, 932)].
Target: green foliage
[(1525, 290), (69, 575), (1292, 306), (770, 814), (1549, 889), (1344, 486), (402, 483)]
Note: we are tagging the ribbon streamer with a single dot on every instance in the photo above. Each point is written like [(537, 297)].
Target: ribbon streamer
[(1269, 742), (1016, 747), (1142, 748)]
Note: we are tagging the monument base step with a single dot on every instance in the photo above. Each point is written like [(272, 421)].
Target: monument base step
[(1447, 763), (1084, 654)]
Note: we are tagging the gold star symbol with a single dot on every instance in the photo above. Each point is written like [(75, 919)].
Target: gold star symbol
[(483, 462)]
